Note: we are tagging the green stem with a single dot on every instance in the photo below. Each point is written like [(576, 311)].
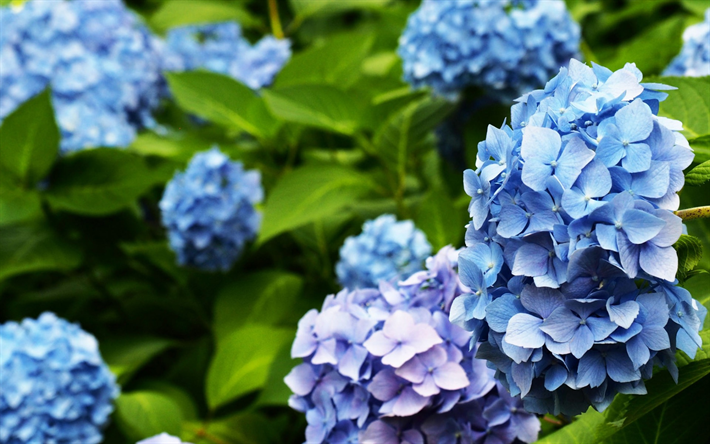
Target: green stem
[(694, 213), (276, 28)]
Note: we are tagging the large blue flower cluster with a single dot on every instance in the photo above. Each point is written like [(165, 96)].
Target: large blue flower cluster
[(570, 259), (209, 210), (386, 366), (54, 386), (102, 65), (503, 46), (221, 48), (694, 58), (385, 250), (163, 438)]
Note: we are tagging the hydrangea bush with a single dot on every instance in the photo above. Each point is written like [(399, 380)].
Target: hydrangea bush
[(569, 252), (101, 63), (504, 47), (209, 210), (386, 366), (220, 47), (694, 58), (54, 386)]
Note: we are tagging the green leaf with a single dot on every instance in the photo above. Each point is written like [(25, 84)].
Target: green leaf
[(276, 392), (308, 194), (264, 297), (175, 13), (690, 252), (241, 428), (142, 414), (158, 254), (698, 175), (242, 360), (126, 354), (690, 104), (34, 247), (336, 62), (98, 182), (222, 100), (700, 228), (322, 106), (439, 219), (30, 140), (307, 8), (652, 50), (699, 288), (17, 205), (701, 146), (697, 7)]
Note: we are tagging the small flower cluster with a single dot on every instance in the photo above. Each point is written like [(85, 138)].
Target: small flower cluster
[(568, 207), (501, 46), (385, 250), (209, 210), (163, 438), (694, 58), (220, 48), (54, 386), (103, 67), (386, 366)]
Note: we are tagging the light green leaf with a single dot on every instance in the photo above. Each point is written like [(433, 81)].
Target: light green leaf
[(698, 175), (98, 182), (701, 146), (222, 100), (241, 428), (690, 104), (653, 49), (439, 219), (180, 147), (142, 414), (307, 8), (697, 7), (276, 392), (264, 297), (336, 62), (699, 288), (17, 205), (308, 194), (242, 361), (30, 140), (175, 13), (690, 252), (126, 354), (322, 106), (34, 247)]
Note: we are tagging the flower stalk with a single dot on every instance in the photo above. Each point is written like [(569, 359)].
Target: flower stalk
[(694, 213), (276, 28)]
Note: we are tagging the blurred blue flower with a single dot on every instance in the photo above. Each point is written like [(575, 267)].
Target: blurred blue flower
[(385, 365), (102, 64), (163, 438), (385, 250), (54, 386), (221, 48), (694, 57), (504, 47), (209, 211), (570, 266)]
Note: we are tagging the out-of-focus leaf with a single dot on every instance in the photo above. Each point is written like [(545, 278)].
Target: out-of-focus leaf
[(242, 428), (29, 140), (700, 228), (699, 288), (336, 62), (307, 8), (698, 175), (142, 414), (175, 146), (242, 361), (34, 247), (322, 106), (701, 146), (17, 205), (126, 354), (179, 396), (308, 194), (98, 182), (222, 100), (380, 64), (158, 254), (697, 7), (690, 104), (264, 297), (690, 252), (179, 13), (275, 391), (439, 219)]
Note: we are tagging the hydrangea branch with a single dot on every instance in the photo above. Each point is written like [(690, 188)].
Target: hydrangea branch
[(276, 28), (694, 213)]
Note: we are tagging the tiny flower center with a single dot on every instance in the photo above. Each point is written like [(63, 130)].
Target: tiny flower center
[(478, 293), (490, 265), (430, 369), (551, 254), (503, 175), (479, 191), (625, 142), (587, 198), (562, 110), (618, 225), (513, 409), (528, 215), (680, 314), (555, 208), (553, 164), (501, 162), (582, 322)]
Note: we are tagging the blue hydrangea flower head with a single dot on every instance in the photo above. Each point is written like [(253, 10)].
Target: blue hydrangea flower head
[(54, 386), (385, 250), (694, 57), (209, 210), (221, 48), (385, 364), (163, 438), (569, 265), (504, 47), (102, 64)]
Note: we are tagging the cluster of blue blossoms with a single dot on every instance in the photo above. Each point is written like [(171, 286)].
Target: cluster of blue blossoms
[(163, 438), (221, 48), (386, 366), (386, 250), (507, 47), (54, 386), (102, 65), (570, 261), (209, 211), (694, 58)]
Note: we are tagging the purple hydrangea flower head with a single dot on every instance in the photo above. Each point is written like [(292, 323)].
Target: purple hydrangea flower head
[(694, 57), (385, 250), (505, 47), (569, 266), (102, 65), (209, 210), (163, 438), (54, 386), (221, 48), (385, 365)]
